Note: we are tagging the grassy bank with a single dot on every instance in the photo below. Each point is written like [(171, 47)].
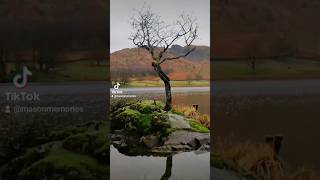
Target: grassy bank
[(193, 83), (78, 71), (284, 68), (256, 161)]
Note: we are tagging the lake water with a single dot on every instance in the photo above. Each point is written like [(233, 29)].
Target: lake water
[(185, 166), (247, 111), (180, 95)]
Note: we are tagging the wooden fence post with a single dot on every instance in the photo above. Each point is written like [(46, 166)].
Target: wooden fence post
[(275, 142), (195, 106)]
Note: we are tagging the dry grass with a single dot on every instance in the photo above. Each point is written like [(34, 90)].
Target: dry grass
[(303, 174), (258, 160), (191, 112)]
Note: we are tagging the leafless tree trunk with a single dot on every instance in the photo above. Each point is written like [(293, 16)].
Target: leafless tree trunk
[(153, 35), (166, 81)]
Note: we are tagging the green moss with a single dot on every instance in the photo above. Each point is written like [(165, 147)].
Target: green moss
[(142, 118), (145, 124), (174, 111), (160, 123), (62, 134), (167, 132), (195, 125), (90, 142), (31, 156), (130, 114), (84, 155), (62, 162), (133, 121), (147, 106)]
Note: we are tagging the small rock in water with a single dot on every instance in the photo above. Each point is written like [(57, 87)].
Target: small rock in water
[(202, 149)]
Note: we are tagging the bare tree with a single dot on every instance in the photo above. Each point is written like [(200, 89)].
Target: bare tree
[(157, 37)]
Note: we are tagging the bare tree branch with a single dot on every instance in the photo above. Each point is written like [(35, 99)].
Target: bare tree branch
[(157, 37), (178, 57)]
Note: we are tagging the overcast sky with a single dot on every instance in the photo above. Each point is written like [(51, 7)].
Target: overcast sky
[(169, 10)]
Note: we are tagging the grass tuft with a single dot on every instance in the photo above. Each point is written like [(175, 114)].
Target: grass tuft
[(190, 112)]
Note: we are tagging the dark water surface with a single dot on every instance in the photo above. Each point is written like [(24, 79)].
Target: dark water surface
[(247, 111)]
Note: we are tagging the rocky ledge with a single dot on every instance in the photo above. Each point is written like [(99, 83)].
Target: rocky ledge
[(142, 128), (178, 141)]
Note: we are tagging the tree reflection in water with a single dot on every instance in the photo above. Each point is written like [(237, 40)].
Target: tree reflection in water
[(168, 172)]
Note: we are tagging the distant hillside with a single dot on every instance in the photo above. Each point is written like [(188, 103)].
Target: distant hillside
[(265, 28), (58, 23), (200, 53), (136, 63)]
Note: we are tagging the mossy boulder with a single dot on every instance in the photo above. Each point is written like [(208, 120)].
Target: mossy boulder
[(142, 127), (31, 156), (62, 134), (92, 143), (64, 164), (84, 155), (141, 118)]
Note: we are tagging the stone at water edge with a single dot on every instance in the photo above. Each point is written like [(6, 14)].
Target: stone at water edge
[(202, 140), (180, 147), (178, 122), (182, 140), (185, 137), (150, 141)]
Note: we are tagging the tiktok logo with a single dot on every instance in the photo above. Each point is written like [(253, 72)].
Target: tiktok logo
[(116, 86), (21, 80)]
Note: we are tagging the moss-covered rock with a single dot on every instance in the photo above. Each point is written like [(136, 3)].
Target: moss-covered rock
[(31, 156), (83, 154), (62, 134), (147, 106), (142, 127), (142, 118), (61, 163)]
